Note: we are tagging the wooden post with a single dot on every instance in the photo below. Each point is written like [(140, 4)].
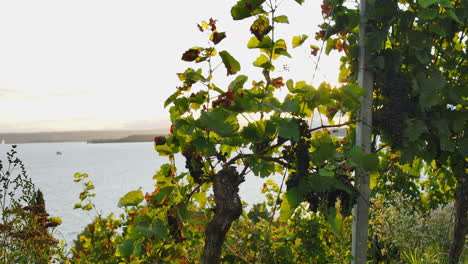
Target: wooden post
[(363, 140)]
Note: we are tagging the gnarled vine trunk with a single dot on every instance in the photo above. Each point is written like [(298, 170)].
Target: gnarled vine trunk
[(461, 211), (228, 209)]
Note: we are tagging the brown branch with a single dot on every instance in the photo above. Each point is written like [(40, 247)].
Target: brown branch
[(333, 126), (277, 160), (236, 158)]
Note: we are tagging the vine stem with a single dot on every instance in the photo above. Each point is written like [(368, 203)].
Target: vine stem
[(333, 126)]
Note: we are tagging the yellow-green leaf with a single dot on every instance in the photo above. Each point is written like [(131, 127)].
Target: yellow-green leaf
[(298, 40)]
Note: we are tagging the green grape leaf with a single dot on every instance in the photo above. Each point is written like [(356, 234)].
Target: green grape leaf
[(326, 173), (162, 194), (426, 3), (291, 104), (220, 120), (238, 83), (160, 229), (414, 129), (352, 96), (280, 48), (144, 228), (253, 132), (204, 146), (369, 162), (281, 19), (231, 64), (132, 198), (261, 167), (264, 62), (298, 40), (171, 98), (291, 199), (288, 128), (126, 248), (246, 8), (300, 87), (429, 89), (324, 147), (183, 127), (454, 16), (254, 43), (138, 249)]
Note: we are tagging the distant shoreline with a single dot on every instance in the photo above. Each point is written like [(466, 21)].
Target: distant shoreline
[(129, 139), (97, 136)]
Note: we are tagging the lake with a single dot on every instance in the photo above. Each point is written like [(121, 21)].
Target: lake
[(114, 168)]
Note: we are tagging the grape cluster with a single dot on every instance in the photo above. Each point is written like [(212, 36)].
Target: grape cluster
[(160, 140), (304, 128), (394, 111), (194, 163), (175, 224), (298, 154), (328, 198)]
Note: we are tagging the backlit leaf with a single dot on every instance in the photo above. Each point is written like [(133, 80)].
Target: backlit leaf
[(281, 19), (254, 43), (132, 198), (298, 40), (246, 8), (231, 64), (238, 83), (288, 128), (263, 62), (221, 121)]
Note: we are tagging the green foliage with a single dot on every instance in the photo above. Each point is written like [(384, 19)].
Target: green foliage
[(402, 231), (24, 223), (246, 127), (97, 242), (132, 198), (306, 238)]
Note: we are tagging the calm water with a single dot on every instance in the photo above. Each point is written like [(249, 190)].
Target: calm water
[(115, 169)]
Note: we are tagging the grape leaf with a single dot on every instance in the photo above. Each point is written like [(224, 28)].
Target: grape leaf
[(132, 198), (281, 19), (298, 40), (246, 8), (221, 121), (231, 64)]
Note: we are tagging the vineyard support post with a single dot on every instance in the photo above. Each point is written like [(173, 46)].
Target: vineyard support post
[(363, 140)]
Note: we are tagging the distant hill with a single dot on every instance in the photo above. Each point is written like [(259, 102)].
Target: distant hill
[(81, 136), (132, 138)]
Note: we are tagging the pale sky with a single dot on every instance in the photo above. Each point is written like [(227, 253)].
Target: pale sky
[(95, 64)]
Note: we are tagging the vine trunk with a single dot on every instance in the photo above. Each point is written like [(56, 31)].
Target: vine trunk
[(228, 209)]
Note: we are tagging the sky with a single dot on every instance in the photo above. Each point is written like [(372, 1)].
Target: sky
[(98, 64)]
